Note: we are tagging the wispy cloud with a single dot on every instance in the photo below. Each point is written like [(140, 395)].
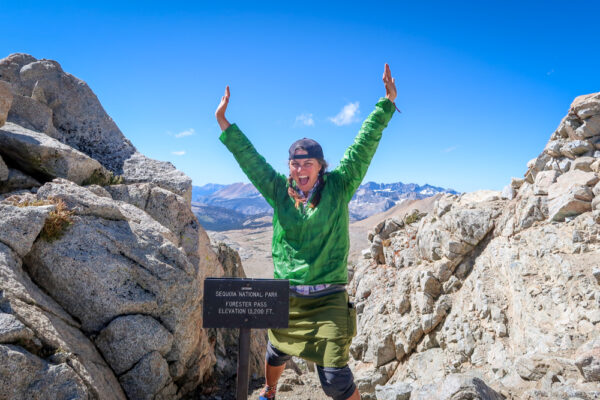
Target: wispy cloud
[(347, 115), (550, 72), (305, 119), (449, 149), (178, 153), (188, 132)]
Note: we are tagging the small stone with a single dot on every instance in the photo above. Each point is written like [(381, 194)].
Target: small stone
[(501, 330), (531, 368), (430, 285), (596, 273), (575, 148), (564, 165), (583, 163), (543, 180), (452, 285), (396, 391), (588, 364), (3, 170)]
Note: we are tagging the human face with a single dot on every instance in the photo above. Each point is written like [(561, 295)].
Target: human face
[(304, 171)]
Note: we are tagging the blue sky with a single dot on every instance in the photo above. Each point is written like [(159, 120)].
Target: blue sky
[(482, 85)]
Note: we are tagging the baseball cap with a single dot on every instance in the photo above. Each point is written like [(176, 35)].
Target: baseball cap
[(313, 149)]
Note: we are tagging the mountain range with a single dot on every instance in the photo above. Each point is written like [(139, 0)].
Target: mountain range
[(238, 205)]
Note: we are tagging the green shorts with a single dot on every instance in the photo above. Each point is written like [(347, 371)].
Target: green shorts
[(320, 329)]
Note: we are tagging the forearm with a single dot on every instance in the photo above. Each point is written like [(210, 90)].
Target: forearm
[(257, 169), (223, 123), (358, 156)]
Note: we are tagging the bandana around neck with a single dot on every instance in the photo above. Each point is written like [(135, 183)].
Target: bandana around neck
[(310, 192)]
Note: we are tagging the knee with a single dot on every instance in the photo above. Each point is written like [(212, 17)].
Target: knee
[(337, 383), (274, 357)]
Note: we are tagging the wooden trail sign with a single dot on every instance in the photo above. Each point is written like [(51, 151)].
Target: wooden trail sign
[(245, 304)]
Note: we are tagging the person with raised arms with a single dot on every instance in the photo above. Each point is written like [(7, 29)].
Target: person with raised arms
[(311, 242)]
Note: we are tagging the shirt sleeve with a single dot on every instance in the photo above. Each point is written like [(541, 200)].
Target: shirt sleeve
[(355, 162), (262, 175)]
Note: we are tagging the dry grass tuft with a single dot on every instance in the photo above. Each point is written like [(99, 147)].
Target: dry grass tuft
[(58, 220)]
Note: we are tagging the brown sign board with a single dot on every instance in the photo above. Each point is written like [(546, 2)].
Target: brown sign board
[(246, 303)]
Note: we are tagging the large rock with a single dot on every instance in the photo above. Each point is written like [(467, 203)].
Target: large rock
[(131, 265), (53, 102), (6, 98), (458, 387), (148, 378), (20, 226), (43, 156), (81, 200), (139, 168), (543, 180), (44, 354), (31, 114), (397, 391), (571, 194), (129, 338), (25, 376), (455, 232), (77, 115)]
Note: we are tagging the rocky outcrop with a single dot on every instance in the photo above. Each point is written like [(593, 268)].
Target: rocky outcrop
[(101, 258), (47, 100), (492, 294), (40, 155)]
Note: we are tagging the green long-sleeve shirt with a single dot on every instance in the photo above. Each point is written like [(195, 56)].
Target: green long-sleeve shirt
[(310, 246)]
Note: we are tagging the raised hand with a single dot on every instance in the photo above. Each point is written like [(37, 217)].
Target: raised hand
[(390, 84), (220, 113)]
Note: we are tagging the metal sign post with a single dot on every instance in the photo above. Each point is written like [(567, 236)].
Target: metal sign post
[(245, 304)]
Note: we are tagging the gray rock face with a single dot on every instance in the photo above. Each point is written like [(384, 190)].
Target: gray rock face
[(78, 116), (26, 376), (20, 226), (41, 155), (17, 180), (6, 98), (42, 352), (138, 168), (129, 338), (81, 200), (147, 378)]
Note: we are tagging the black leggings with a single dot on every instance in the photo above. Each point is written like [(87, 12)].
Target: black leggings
[(337, 382)]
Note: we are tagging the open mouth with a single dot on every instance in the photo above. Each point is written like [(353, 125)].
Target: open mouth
[(303, 180)]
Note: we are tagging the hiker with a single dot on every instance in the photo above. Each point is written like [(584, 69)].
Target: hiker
[(310, 244)]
